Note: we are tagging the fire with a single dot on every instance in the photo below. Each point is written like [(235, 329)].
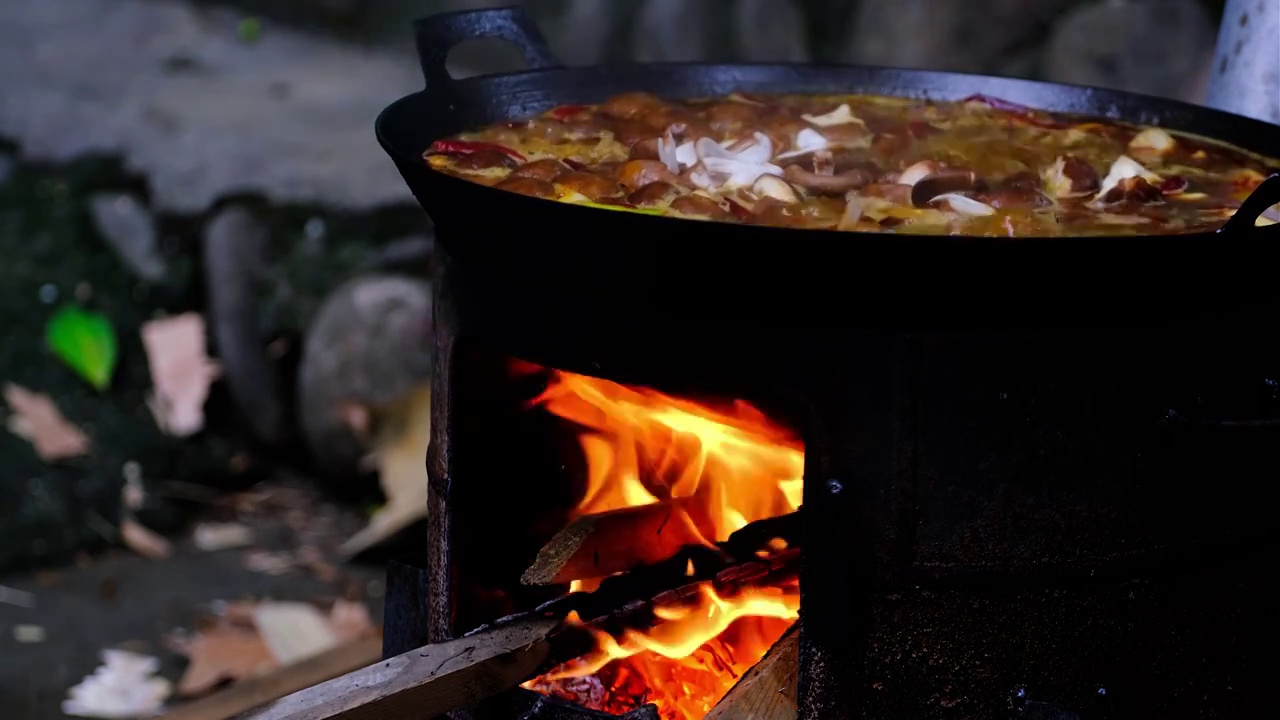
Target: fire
[(728, 467)]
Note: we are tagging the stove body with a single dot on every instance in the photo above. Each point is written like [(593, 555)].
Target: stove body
[(1023, 522)]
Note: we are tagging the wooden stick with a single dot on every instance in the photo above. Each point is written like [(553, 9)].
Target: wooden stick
[(767, 691), (426, 682), (595, 546), (253, 692)]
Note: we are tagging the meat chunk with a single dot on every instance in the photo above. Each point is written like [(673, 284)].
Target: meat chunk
[(655, 193), (1069, 177)]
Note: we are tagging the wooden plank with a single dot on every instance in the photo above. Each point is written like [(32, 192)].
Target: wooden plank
[(595, 546), (426, 682), (254, 692), (768, 691)]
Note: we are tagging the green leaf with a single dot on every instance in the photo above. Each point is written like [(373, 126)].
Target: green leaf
[(249, 30), (85, 341)]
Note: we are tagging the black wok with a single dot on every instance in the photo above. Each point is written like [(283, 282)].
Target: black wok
[(589, 258)]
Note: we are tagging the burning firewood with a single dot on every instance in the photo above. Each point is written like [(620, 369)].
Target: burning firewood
[(604, 544), (768, 691), (434, 679), (599, 545)]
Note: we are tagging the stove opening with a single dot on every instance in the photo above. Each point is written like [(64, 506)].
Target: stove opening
[(619, 480)]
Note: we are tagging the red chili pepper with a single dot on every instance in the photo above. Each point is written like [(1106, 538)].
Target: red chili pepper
[(466, 147), (1173, 184), (737, 209), (920, 129), (564, 112)]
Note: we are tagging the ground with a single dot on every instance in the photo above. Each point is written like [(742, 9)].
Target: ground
[(118, 598)]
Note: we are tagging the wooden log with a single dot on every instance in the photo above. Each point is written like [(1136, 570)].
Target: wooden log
[(431, 680), (768, 691), (595, 546), (253, 692)]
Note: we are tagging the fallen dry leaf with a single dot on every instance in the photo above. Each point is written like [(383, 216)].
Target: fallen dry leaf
[(124, 686), (212, 537), (350, 620), (36, 419), (143, 541), (269, 563), (400, 452), (181, 372), (294, 631), (220, 654)]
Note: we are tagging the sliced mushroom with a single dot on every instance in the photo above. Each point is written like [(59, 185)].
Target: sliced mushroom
[(547, 169), (1125, 168), (635, 174), (655, 193), (1069, 177), (916, 172), (827, 184), (965, 205), (699, 206), (774, 187), (593, 186), (945, 180), (535, 187)]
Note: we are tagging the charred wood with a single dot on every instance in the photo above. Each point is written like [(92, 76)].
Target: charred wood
[(549, 708), (647, 537), (769, 690)]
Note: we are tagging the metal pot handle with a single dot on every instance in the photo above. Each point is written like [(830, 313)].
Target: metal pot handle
[(436, 35), (1244, 221)]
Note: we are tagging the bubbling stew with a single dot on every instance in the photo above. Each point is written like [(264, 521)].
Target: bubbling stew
[(980, 166)]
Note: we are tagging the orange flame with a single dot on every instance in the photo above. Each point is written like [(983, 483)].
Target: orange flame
[(729, 468)]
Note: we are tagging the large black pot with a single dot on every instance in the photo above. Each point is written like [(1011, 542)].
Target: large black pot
[(864, 279)]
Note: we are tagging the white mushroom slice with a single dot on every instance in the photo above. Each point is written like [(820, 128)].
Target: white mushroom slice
[(917, 172), (807, 141), (774, 187), (668, 152), (1152, 140), (965, 205), (686, 155), (1124, 167), (840, 116)]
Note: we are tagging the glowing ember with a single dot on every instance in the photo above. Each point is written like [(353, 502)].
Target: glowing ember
[(730, 467)]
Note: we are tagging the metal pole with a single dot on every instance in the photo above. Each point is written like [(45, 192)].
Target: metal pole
[(1246, 64)]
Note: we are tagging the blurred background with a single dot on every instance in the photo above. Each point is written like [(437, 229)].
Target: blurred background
[(215, 296)]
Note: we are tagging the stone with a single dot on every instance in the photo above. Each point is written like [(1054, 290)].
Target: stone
[(51, 511), (769, 31), (7, 164), (680, 31), (369, 345), (235, 247), (983, 36), (128, 226), (197, 111), (1155, 47)]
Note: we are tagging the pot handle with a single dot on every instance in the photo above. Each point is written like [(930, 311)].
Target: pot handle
[(436, 35), (1246, 217)]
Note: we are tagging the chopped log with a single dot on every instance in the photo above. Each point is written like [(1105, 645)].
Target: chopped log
[(257, 691), (431, 680), (768, 691), (595, 546)]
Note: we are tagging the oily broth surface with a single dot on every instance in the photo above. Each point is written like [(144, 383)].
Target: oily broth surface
[(864, 163)]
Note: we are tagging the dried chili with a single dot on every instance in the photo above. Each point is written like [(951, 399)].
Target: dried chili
[(466, 147)]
